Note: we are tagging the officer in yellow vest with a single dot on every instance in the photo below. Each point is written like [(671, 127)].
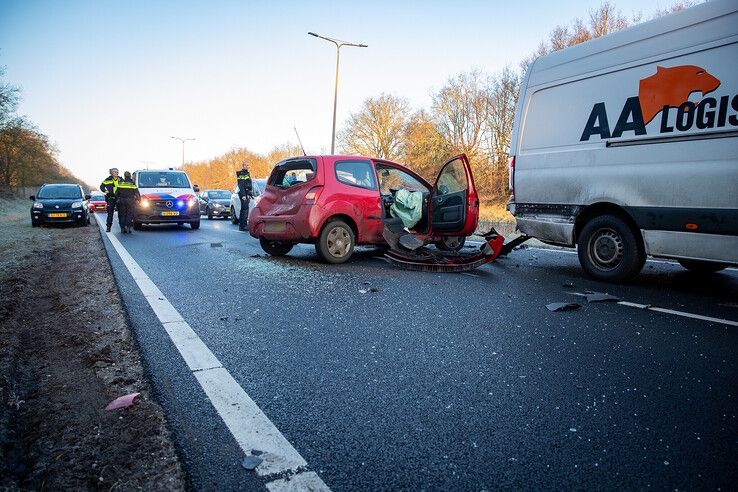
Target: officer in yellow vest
[(126, 196), (245, 190), (109, 187)]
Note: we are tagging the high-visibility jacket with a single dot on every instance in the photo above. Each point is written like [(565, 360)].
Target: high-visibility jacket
[(126, 190), (110, 185), (244, 183)]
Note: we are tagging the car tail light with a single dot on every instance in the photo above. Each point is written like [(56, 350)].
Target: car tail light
[(511, 176), (312, 196)]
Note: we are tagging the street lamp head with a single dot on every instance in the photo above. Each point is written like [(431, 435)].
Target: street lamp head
[(363, 46), (313, 34)]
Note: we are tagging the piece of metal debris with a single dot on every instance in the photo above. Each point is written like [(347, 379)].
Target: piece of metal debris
[(251, 462), (257, 452), (122, 402), (563, 306), (216, 245), (568, 284), (601, 297)]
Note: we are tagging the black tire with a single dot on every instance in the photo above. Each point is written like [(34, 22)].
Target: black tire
[(609, 249), (275, 248), (209, 213), (336, 242), (34, 223), (137, 226), (702, 266), (234, 219), (450, 243), (195, 224)]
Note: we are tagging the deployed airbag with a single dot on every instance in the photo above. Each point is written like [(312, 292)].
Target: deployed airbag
[(408, 207)]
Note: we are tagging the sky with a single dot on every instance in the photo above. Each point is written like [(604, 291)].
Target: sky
[(111, 81)]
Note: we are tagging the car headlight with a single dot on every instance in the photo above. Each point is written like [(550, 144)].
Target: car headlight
[(76, 204), (145, 203), (190, 203), (38, 205)]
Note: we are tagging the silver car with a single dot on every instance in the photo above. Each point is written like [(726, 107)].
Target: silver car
[(258, 186)]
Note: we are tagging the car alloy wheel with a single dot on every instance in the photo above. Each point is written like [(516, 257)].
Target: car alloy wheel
[(336, 242)]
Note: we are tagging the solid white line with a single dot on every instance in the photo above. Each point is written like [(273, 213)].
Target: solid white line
[(648, 307), (251, 428)]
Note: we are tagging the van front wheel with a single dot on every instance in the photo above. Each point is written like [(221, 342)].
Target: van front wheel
[(609, 250)]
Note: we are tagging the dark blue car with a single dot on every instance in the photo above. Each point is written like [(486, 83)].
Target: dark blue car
[(60, 203)]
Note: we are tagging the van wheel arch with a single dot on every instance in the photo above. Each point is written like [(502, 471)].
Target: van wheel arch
[(605, 208)]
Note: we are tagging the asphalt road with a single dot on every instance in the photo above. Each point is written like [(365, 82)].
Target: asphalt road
[(444, 381)]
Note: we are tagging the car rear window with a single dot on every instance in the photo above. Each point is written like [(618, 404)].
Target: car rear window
[(292, 173), (162, 179), (356, 173), (97, 197), (60, 192)]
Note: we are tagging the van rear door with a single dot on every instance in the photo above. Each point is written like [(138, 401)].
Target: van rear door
[(454, 199)]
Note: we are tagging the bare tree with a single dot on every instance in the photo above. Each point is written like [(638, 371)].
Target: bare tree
[(377, 129)]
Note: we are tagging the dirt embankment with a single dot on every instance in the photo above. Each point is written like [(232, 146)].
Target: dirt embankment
[(65, 352)]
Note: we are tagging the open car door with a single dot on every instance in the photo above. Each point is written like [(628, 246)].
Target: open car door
[(454, 200)]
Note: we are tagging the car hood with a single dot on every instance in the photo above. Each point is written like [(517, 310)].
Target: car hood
[(222, 201), (166, 193)]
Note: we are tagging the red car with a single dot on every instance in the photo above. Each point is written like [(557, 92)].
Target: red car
[(97, 202), (338, 202)]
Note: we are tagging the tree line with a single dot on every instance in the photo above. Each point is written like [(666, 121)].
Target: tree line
[(27, 156), (472, 112)]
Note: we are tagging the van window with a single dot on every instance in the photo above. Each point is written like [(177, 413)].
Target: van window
[(356, 173), (293, 173)]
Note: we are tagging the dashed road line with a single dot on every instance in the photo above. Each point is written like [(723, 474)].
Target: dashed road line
[(250, 427)]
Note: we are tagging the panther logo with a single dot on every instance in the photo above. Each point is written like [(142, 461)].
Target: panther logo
[(671, 86)]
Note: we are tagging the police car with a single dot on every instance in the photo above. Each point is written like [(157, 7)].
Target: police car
[(167, 197)]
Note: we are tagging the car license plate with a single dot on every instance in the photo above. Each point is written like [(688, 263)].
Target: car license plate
[(169, 214), (57, 215), (275, 227)]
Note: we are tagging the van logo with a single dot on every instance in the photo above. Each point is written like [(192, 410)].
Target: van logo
[(169, 204), (668, 88)]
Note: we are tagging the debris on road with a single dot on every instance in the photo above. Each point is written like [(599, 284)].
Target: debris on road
[(600, 297), (251, 462), (370, 289), (563, 306), (122, 401), (216, 245), (568, 284)]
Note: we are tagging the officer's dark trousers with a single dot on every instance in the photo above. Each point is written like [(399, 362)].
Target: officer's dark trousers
[(243, 217), (111, 210), (125, 213)]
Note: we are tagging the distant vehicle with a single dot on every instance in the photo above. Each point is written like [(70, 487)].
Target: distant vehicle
[(60, 203), (167, 197), (97, 203), (215, 203), (338, 202), (258, 186), (627, 145)]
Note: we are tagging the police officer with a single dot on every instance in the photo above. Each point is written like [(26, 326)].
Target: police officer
[(109, 187), (244, 193), (126, 196)]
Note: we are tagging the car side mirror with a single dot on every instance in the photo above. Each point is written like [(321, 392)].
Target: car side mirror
[(87, 197), (196, 189), (33, 198)]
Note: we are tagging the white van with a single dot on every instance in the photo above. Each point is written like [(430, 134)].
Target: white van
[(167, 197), (627, 145)]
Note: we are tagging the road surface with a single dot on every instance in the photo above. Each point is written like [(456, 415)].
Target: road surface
[(375, 378)]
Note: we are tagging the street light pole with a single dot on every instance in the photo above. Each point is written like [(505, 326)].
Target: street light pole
[(338, 44), (183, 140)]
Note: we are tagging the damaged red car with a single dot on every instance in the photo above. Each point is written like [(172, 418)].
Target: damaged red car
[(340, 201)]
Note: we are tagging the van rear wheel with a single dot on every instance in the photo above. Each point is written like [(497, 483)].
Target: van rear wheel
[(336, 242), (609, 249), (702, 266), (275, 248)]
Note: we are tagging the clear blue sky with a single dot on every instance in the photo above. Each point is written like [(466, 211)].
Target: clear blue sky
[(111, 81)]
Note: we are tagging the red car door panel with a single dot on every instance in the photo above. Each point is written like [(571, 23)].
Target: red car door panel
[(454, 200)]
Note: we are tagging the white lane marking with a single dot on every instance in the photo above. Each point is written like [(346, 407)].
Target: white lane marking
[(251, 428), (304, 481), (679, 313), (648, 307)]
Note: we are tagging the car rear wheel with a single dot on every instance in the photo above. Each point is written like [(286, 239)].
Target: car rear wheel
[(450, 243), (702, 266), (609, 249), (336, 243), (275, 248), (195, 224)]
